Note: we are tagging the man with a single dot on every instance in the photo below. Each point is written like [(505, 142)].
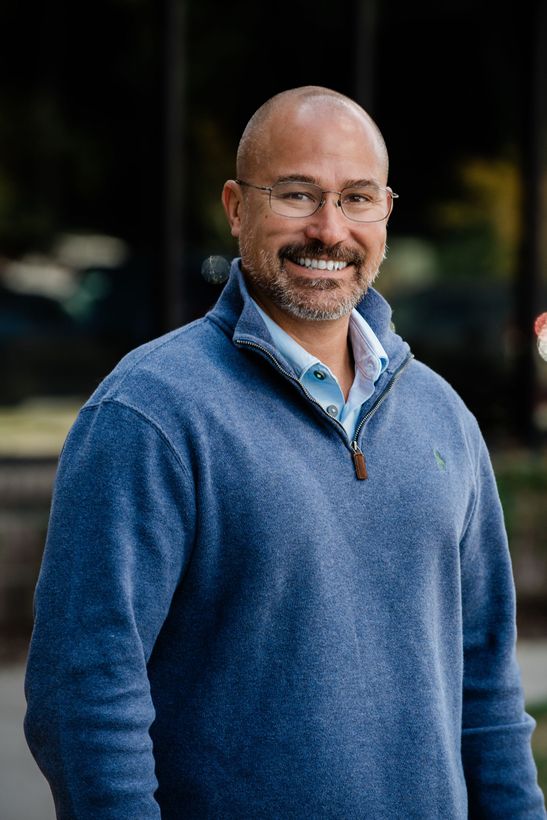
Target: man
[(276, 583)]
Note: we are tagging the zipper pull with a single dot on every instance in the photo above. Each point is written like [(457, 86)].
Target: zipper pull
[(359, 462)]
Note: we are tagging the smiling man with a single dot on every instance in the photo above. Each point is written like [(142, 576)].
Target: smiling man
[(276, 582)]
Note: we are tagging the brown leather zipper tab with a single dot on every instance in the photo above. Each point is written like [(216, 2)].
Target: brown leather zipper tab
[(360, 465)]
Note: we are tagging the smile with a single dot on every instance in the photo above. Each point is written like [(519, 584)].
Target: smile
[(320, 264)]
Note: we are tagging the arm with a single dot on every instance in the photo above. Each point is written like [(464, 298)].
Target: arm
[(120, 531), (496, 753)]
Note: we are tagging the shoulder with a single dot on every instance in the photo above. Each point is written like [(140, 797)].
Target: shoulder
[(153, 400), (435, 387), (179, 362)]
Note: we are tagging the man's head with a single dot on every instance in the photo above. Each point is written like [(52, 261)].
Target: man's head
[(308, 135)]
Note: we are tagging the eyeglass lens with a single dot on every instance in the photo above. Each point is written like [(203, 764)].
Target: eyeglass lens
[(363, 204)]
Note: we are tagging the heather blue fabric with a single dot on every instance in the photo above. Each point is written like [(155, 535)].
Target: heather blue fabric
[(229, 624), (370, 361)]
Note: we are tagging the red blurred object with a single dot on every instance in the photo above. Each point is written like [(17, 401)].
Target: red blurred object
[(540, 325)]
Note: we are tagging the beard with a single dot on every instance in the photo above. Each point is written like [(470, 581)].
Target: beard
[(301, 296)]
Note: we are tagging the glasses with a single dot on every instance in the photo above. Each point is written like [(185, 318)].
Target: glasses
[(360, 203)]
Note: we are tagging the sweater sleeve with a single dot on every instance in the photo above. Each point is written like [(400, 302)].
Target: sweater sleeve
[(498, 764), (121, 528)]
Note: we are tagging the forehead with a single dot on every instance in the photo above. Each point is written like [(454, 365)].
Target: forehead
[(328, 142)]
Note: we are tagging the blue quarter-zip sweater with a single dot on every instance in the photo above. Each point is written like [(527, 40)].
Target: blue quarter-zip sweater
[(231, 624)]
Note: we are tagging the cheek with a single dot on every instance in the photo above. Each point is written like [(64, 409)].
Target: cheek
[(373, 244), (258, 227), (374, 235)]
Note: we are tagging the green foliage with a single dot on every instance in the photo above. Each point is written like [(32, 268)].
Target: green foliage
[(539, 743), (522, 484)]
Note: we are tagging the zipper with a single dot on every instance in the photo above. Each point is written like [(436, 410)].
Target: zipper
[(358, 455), (359, 461), (293, 379)]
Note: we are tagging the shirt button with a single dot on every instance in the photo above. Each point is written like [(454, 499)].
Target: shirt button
[(319, 375), (332, 410), (370, 368)]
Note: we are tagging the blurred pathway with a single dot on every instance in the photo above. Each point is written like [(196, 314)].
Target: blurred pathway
[(24, 793), (532, 655)]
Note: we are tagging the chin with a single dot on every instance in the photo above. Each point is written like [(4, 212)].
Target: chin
[(317, 299)]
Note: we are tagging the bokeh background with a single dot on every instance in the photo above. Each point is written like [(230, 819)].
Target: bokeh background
[(119, 123)]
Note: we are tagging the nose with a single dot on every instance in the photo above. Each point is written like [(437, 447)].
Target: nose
[(328, 224)]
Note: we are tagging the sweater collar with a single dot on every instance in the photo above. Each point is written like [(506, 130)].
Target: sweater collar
[(236, 311)]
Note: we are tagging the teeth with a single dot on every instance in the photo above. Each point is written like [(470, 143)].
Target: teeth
[(321, 264)]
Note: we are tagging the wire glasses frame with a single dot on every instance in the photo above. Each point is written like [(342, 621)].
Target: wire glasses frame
[(298, 200)]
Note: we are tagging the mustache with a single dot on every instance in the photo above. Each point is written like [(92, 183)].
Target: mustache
[(315, 249)]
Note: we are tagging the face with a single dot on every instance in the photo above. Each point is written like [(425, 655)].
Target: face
[(316, 267)]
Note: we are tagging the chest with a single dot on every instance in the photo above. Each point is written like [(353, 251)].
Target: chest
[(278, 493)]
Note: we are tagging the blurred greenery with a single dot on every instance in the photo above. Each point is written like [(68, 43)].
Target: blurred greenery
[(522, 482), (480, 222), (539, 742), (519, 471)]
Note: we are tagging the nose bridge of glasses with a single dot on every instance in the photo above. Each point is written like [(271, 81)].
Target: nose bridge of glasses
[(337, 202)]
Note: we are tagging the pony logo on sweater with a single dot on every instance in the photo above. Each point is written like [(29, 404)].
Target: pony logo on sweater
[(441, 463)]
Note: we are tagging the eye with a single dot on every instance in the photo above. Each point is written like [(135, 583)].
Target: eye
[(296, 194), (360, 197)]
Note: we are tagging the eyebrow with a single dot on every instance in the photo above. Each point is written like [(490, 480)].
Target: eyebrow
[(361, 183), (296, 178), (349, 183)]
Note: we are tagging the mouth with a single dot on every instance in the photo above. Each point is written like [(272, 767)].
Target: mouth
[(315, 265), (318, 262)]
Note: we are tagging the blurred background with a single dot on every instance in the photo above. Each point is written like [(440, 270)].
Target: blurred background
[(119, 123)]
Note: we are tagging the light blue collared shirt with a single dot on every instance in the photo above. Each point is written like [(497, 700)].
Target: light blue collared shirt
[(370, 362)]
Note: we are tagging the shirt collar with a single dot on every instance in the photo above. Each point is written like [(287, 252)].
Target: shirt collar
[(366, 346), (369, 355), (235, 313)]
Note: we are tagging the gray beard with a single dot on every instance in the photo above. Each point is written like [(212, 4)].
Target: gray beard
[(290, 303)]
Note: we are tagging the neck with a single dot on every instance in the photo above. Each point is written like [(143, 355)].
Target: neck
[(327, 340)]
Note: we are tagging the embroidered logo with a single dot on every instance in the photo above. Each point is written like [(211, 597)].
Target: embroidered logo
[(441, 463)]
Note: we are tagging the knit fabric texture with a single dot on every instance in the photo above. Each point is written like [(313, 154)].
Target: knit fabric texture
[(230, 624)]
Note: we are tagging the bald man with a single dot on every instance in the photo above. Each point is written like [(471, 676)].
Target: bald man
[(276, 582)]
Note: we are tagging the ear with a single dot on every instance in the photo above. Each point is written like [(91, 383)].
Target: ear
[(232, 200)]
